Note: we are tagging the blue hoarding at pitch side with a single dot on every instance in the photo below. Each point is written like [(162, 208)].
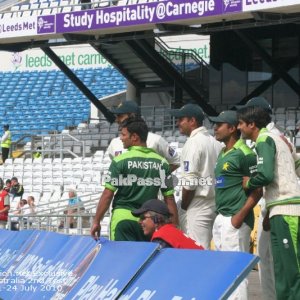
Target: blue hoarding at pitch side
[(177, 274), (113, 268), (60, 273), (33, 265), (12, 244), (47, 265)]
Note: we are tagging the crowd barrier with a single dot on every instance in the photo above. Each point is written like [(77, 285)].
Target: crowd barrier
[(46, 265)]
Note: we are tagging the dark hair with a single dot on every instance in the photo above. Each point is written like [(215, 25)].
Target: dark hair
[(238, 132), (254, 114), (7, 181), (136, 125)]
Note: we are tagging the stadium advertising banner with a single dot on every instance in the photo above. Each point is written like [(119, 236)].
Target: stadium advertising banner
[(113, 268), (15, 27), (220, 273), (130, 15), (133, 15), (10, 244), (43, 274), (49, 265), (110, 17), (252, 5), (84, 56)]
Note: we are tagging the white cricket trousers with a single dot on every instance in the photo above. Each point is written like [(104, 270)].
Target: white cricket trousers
[(264, 251), (228, 238), (200, 217)]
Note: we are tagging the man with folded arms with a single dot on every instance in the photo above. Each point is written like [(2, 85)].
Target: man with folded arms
[(235, 219)]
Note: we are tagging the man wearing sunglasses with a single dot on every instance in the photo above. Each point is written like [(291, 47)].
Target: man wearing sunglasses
[(133, 178), (155, 221)]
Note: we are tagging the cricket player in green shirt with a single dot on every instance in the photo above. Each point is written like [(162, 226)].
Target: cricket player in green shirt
[(235, 217), (276, 173), (133, 178)]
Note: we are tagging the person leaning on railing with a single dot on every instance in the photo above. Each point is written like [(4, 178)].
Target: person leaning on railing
[(16, 189), (75, 205)]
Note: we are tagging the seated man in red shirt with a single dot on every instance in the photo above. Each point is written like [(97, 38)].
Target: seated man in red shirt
[(155, 221)]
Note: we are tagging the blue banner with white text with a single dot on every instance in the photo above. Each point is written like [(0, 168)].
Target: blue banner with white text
[(48, 265)]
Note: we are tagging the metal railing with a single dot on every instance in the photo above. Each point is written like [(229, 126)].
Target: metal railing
[(188, 63), (49, 217), (52, 145), (180, 58)]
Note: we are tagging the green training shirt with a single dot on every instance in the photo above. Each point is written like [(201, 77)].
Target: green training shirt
[(137, 175), (230, 168), (266, 151)]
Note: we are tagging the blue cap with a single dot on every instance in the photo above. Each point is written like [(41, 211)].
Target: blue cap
[(126, 107), (188, 110), (259, 102), (227, 116)]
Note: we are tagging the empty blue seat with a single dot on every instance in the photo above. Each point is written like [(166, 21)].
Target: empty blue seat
[(48, 100)]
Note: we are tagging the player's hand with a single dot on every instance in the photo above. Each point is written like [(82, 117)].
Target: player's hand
[(245, 180), (95, 231), (237, 221), (266, 223)]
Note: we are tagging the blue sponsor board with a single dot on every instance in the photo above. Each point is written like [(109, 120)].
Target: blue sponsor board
[(32, 266), (12, 243), (47, 265), (191, 274), (55, 274), (113, 268)]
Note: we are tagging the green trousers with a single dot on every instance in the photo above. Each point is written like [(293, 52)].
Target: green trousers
[(285, 240), (125, 227)]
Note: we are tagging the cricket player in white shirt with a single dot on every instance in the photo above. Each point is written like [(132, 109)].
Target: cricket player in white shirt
[(197, 162), (154, 141)]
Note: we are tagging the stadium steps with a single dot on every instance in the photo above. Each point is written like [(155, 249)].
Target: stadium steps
[(147, 64), (129, 63)]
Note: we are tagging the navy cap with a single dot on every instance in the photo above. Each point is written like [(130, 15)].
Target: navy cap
[(227, 116), (155, 205), (126, 107), (259, 102), (188, 110)]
